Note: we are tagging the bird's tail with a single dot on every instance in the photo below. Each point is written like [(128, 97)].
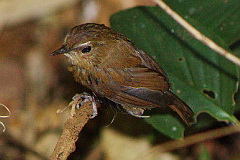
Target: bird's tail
[(182, 109)]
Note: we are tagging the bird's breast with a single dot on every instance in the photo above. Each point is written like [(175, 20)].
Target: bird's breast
[(93, 79)]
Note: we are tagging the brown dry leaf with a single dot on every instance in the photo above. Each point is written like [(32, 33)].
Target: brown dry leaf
[(117, 146)]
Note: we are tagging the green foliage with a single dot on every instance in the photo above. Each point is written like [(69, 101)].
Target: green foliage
[(205, 80), (204, 153)]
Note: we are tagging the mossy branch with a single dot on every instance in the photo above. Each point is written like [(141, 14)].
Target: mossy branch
[(73, 126)]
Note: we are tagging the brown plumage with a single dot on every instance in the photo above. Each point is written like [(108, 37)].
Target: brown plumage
[(111, 66)]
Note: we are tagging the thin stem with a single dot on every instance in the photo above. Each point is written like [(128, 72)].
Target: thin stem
[(198, 35), (193, 139)]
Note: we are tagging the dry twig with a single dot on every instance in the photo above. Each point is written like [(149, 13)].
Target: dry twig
[(193, 139), (198, 35), (72, 128)]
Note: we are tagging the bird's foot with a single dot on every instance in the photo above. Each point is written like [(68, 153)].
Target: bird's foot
[(87, 97), (78, 100)]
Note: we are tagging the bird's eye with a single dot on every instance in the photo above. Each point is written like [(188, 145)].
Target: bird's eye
[(86, 49)]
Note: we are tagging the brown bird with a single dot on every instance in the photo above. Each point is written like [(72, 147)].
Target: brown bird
[(110, 65)]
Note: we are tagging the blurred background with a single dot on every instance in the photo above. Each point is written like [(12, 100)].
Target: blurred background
[(34, 85)]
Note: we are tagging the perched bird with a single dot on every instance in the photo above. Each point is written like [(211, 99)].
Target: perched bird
[(110, 65)]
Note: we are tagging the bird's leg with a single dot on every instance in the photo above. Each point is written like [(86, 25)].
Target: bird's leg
[(87, 97), (79, 99)]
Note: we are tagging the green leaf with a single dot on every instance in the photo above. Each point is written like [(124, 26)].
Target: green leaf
[(169, 124), (202, 78), (220, 16)]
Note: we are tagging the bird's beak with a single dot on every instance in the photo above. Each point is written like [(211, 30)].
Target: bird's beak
[(61, 50)]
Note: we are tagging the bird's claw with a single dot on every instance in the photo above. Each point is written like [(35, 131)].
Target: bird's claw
[(79, 99)]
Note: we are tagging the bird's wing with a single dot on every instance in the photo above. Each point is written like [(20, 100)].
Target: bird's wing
[(149, 62), (137, 86), (142, 82), (141, 86)]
